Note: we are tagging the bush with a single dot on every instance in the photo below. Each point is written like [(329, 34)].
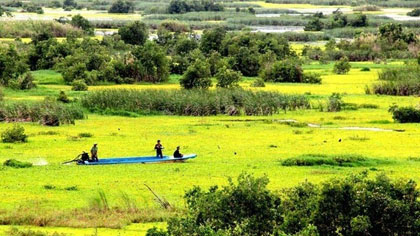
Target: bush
[(405, 114), (365, 69), (283, 71), (355, 205), (17, 164), (311, 78), (223, 210), (402, 81), (342, 66), (414, 12), (227, 78), (152, 63), (62, 97), (258, 83), (335, 103), (135, 33), (121, 6), (82, 23), (14, 134), (79, 85), (27, 82), (314, 25), (196, 76), (193, 102)]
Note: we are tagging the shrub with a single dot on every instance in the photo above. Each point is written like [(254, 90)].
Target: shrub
[(14, 134), (85, 135), (342, 66), (258, 83), (405, 114), (135, 33), (17, 164), (227, 78), (332, 160), (121, 6), (223, 210), (414, 12), (365, 69), (403, 81), (283, 71), (62, 97), (311, 78), (335, 103), (27, 82), (79, 85), (82, 23), (314, 24), (196, 76), (152, 62)]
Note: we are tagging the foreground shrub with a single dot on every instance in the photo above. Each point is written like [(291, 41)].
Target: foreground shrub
[(283, 71), (14, 134), (17, 164), (48, 112), (342, 66), (193, 102), (356, 205), (405, 114), (247, 207)]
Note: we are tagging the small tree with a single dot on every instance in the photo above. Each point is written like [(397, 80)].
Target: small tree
[(121, 6), (342, 66), (335, 103), (82, 23), (79, 85), (14, 134), (152, 62), (228, 78), (27, 82), (288, 70), (135, 33), (197, 76)]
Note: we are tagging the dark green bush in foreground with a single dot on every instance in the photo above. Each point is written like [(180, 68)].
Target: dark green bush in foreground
[(14, 134), (193, 102), (356, 205), (405, 114), (17, 164)]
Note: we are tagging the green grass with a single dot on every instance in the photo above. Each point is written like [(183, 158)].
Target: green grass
[(225, 147)]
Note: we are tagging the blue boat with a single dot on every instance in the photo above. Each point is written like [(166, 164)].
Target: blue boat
[(132, 160)]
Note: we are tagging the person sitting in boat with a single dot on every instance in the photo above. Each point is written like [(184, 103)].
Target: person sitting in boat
[(94, 152), (158, 148), (177, 154)]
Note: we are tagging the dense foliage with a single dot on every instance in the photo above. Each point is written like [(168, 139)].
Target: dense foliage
[(14, 134), (405, 114), (122, 6), (192, 102), (356, 205), (182, 6)]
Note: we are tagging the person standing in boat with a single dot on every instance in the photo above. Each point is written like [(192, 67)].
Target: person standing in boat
[(158, 148), (94, 152), (177, 154)]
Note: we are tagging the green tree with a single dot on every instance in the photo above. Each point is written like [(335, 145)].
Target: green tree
[(121, 6), (12, 65), (82, 23), (342, 66), (227, 78), (314, 24), (152, 62), (197, 76), (288, 70), (135, 33), (360, 20), (69, 3), (247, 62), (211, 40)]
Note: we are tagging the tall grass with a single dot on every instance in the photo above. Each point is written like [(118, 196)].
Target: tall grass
[(46, 112), (403, 81), (26, 29), (192, 103)]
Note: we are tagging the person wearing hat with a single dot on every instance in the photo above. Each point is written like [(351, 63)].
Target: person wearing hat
[(158, 148), (177, 154), (94, 152)]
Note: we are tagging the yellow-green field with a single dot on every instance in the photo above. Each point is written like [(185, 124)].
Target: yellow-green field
[(226, 146)]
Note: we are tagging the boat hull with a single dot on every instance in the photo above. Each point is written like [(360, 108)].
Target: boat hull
[(133, 160)]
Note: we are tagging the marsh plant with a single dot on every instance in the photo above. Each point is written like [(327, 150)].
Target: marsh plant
[(193, 102)]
